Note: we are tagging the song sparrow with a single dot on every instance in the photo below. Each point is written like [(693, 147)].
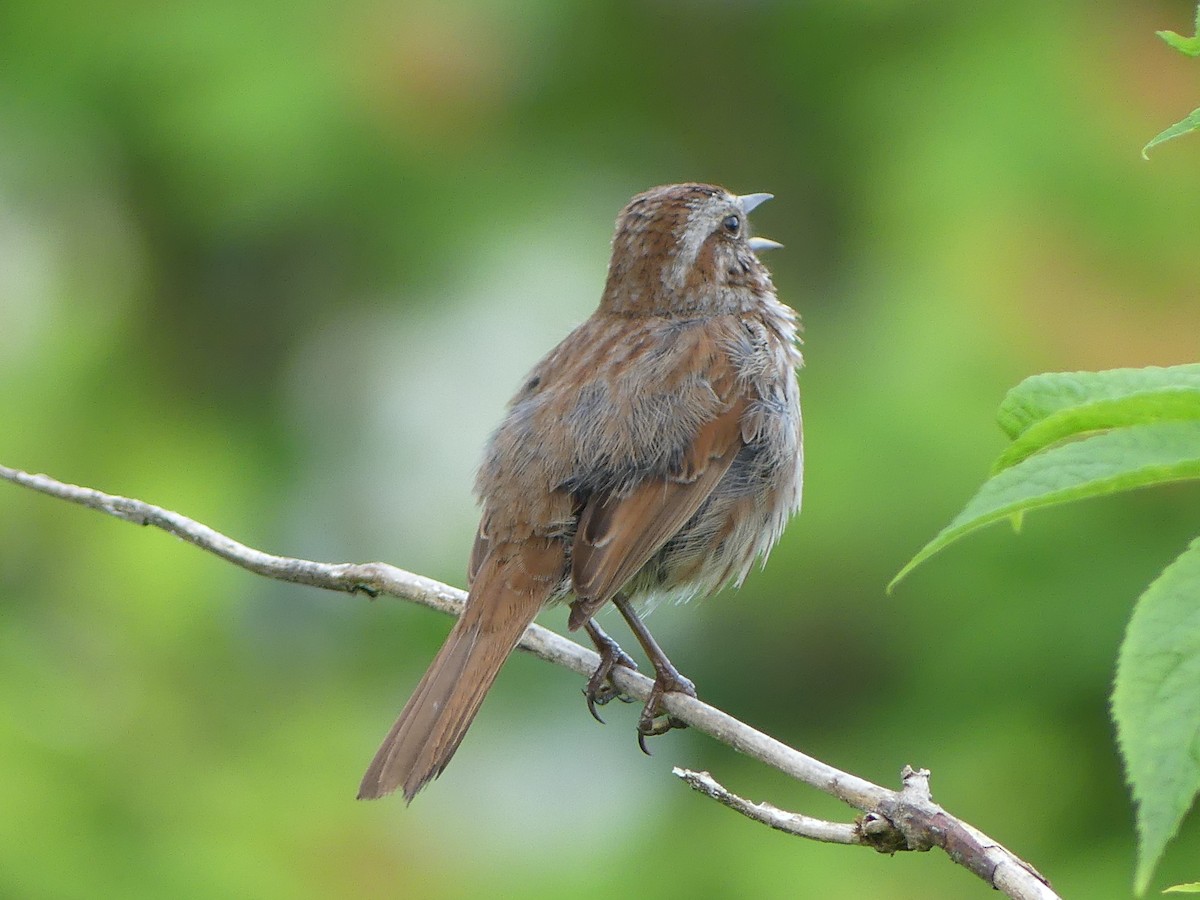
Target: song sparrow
[(655, 452)]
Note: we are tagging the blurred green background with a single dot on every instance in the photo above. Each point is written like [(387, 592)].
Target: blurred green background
[(278, 266)]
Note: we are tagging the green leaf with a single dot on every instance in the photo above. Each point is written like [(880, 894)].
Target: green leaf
[(1156, 706), (1192, 888), (1046, 409), (1041, 396), (1126, 458), (1160, 407), (1188, 45), (1182, 127)]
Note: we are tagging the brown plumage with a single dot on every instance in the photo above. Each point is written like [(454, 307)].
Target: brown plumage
[(655, 452)]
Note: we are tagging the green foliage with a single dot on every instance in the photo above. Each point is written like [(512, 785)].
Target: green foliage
[(1149, 424), (1186, 125), (1089, 434), (1191, 47), (1156, 705), (1045, 409), (1188, 45), (1193, 888)]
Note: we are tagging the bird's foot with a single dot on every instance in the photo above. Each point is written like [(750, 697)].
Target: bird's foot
[(600, 688), (654, 720)]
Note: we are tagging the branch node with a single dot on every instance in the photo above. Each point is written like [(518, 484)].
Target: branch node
[(879, 833), (916, 784)]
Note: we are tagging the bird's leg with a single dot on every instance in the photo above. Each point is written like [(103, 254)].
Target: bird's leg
[(600, 688), (666, 678)]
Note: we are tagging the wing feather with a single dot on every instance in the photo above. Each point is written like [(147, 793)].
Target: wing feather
[(619, 532)]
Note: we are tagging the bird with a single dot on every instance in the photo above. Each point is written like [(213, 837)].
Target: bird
[(655, 453)]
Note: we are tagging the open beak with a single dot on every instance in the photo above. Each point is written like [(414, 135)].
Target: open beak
[(759, 244), (749, 203)]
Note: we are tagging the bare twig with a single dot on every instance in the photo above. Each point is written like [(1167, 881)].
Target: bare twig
[(892, 820), (780, 819)]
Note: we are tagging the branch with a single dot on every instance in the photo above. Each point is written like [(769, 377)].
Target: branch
[(779, 819), (892, 820), (910, 821)]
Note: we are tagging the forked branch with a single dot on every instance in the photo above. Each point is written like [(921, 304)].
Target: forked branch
[(889, 821)]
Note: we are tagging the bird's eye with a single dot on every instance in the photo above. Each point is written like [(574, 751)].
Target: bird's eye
[(732, 224)]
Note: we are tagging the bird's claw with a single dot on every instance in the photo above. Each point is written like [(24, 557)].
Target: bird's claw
[(600, 688), (654, 720)]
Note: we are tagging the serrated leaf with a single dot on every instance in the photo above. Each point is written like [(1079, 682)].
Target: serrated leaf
[(1156, 706), (1041, 396), (1184, 126), (1103, 464), (1191, 888)]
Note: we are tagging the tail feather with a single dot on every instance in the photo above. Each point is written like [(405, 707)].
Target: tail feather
[(441, 709)]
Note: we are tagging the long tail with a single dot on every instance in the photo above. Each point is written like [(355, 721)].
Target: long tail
[(504, 600)]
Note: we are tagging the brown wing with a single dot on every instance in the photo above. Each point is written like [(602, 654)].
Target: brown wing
[(618, 533)]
